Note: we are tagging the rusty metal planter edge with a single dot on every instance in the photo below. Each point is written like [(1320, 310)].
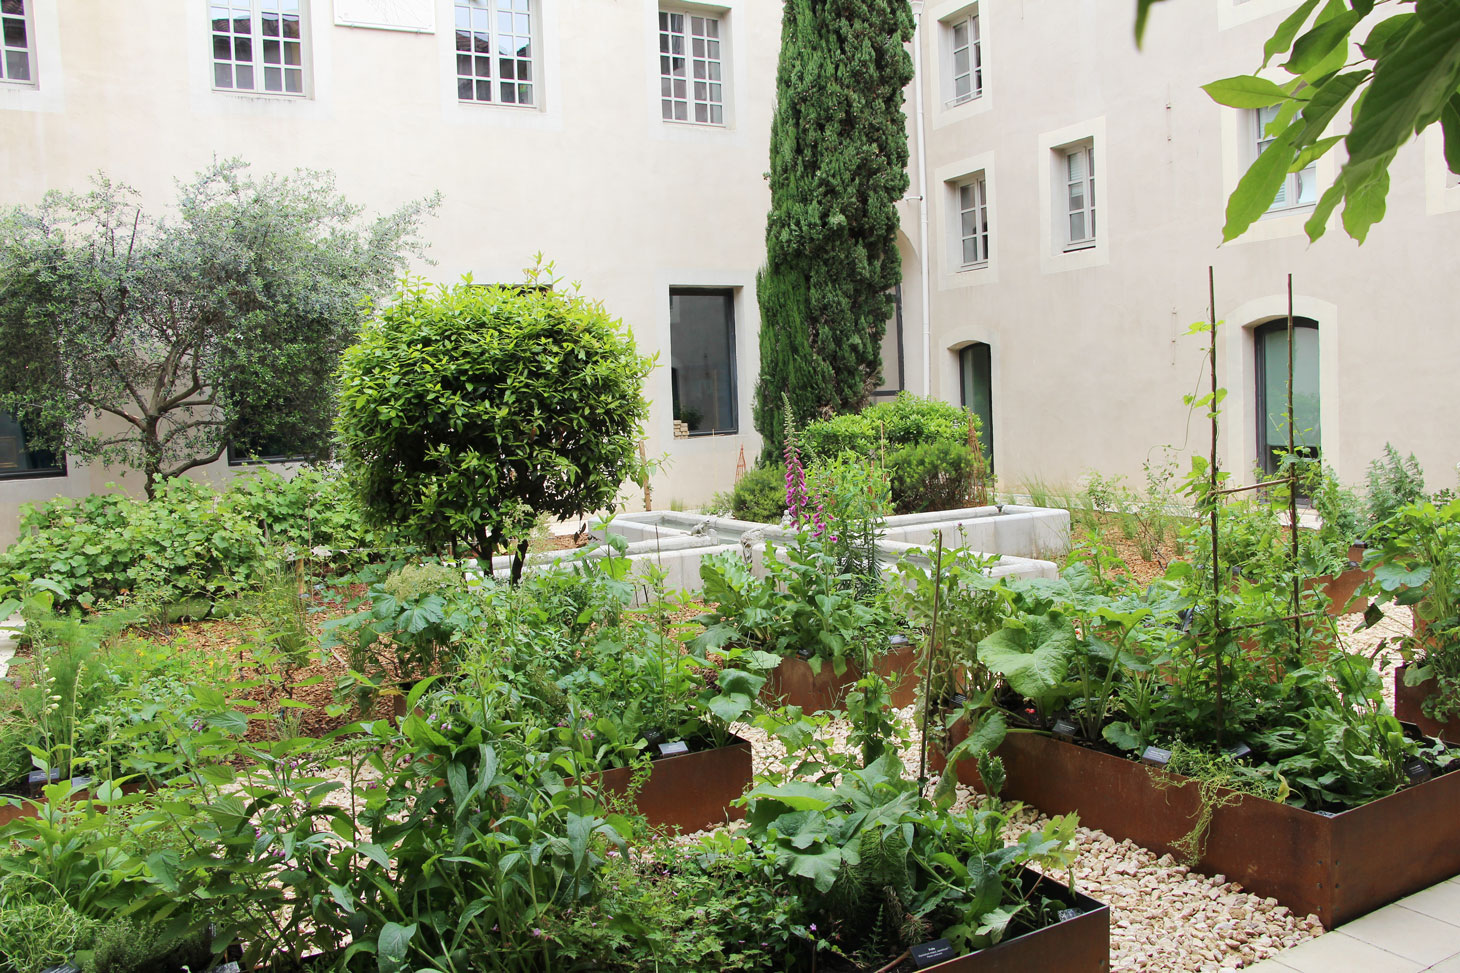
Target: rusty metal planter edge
[(1335, 867)]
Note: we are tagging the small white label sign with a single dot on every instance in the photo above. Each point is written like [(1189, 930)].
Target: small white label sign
[(418, 16)]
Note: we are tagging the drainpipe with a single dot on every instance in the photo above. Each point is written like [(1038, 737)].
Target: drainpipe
[(922, 197)]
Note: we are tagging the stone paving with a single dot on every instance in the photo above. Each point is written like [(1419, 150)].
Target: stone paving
[(1420, 933)]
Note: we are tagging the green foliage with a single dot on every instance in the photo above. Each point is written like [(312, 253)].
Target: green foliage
[(1418, 565), (838, 167), (38, 930), (932, 476), (1405, 79), (1394, 483), (221, 325), (907, 420), (189, 541), (760, 495), (854, 500), (468, 411)]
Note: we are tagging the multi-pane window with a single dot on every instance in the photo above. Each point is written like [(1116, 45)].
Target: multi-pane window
[(19, 458), (258, 45), (973, 222), (691, 79), (702, 359), (975, 380), (1271, 340), (1299, 188), (14, 42), (1079, 182), (494, 52), (967, 60)]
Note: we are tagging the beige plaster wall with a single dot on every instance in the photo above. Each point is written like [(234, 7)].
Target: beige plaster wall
[(625, 203)]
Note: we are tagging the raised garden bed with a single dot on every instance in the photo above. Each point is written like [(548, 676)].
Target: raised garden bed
[(690, 791), (792, 683), (1341, 588), (1335, 866), (1409, 703), (1076, 944)]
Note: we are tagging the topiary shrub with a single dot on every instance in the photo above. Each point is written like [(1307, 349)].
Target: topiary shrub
[(931, 476), (467, 411), (760, 495), (905, 421)]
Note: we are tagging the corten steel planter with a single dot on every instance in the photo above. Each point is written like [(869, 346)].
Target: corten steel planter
[(691, 791), (792, 683), (1337, 867), (1077, 945), (1340, 588), (1409, 707), (30, 797)]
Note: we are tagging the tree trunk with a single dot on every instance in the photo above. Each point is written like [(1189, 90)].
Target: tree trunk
[(152, 464), (518, 559)]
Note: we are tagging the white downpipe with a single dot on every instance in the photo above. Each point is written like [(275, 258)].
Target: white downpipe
[(924, 273)]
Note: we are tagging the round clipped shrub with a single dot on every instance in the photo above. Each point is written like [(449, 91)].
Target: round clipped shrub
[(931, 476), (905, 421), (467, 411), (760, 495)]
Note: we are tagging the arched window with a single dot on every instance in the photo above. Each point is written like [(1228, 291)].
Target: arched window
[(1271, 340), (975, 377)]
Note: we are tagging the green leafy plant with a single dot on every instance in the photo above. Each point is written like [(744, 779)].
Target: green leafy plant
[(760, 495), (1394, 483), (466, 412)]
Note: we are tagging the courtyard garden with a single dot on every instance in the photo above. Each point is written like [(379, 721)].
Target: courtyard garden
[(378, 717)]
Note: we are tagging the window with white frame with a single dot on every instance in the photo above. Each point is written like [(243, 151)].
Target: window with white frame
[(495, 53), (15, 40), (1077, 173), (972, 243), (702, 359), (1298, 188), (258, 45), (691, 71), (965, 61)]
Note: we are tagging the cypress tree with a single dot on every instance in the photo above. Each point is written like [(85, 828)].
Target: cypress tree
[(838, 167)]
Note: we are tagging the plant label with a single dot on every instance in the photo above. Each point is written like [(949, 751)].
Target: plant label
[(673, 749), (1063, 730), (1239, 751), (1417, 771), (925, 955), (1156, 757)]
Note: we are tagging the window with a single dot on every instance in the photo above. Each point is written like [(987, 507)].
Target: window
[(702, 359), (691, 81), (265, 449), (15, 34), (893, 375), (975, 379), (494, 52), (1299, 188), (258, 45), (18, 459), (1078, 164), (1271, 340), (973, 222), (966, 63)]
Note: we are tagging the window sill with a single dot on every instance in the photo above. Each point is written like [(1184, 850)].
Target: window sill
[(686, 123), (713, 432), (513, 105), (960, 102), (969, 268), (1281, 211), (1079, 247), (267, 95)]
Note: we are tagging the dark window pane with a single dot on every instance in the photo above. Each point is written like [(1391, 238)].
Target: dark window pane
[(271, 52), (14, 32), (269, 25), (221, 51), (976, 377), (291, 28), (702, 359), (1272, 391), (242, 50), (509, 69), (17, 65), (463, 40), (484, 67), (484, 91), (222, 76), (463, 89), (18, 457), (16, 7)]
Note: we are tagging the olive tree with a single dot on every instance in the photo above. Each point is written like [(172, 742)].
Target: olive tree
[(465, 412), (218, 324)]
